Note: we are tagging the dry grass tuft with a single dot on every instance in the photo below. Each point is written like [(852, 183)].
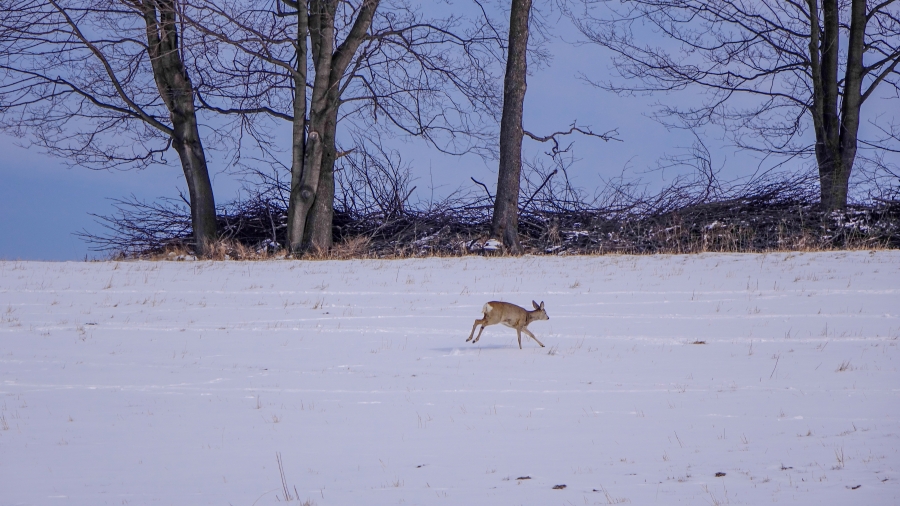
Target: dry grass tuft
[(223, 249), (351, 247)]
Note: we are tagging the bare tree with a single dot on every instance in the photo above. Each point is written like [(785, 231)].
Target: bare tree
[(250, 45), (504, 224), (103, 84), (376, 66), (505, 219), (315, 206), (794, 62)]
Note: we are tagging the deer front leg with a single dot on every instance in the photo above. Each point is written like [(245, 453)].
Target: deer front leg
[(532, 336), (519, 333)]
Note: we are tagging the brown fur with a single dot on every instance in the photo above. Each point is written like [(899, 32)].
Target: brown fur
[(510, 315)]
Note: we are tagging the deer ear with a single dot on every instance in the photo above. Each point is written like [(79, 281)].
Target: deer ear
[(542, 305), (535, 304)]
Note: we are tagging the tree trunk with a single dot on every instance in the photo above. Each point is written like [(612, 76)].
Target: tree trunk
[(850, 106), (321, 217), (298, 139), (312, 220), (836, 130), (505, 222), (177, 92), (303, 192)]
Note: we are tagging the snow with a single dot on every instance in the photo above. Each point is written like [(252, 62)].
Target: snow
[(180, 382), (492, 245)]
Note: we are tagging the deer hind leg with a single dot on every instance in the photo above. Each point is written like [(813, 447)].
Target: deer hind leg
[(477, 322), (530, 335), (483, 325)]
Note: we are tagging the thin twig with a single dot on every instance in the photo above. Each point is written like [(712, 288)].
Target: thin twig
[(541, 187), (485, 188)]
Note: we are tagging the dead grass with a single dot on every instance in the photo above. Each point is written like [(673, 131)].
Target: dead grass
[(350, 248), (358, 248), (225, 249)]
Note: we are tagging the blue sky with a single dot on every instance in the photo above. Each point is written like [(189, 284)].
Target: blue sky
[(44, 203)]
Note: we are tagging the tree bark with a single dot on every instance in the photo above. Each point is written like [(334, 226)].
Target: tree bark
[(321, 216), (505, 221), (827, 136), (177, 92), (851, 105), (312, 217), (836, 129), (303, 192), (298, 139)]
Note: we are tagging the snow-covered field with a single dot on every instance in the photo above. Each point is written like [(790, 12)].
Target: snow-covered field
[(181, 383)]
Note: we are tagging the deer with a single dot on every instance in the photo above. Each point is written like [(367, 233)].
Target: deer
[(510, 315)]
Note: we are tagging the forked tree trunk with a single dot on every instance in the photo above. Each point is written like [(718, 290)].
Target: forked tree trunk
[(177, 92), (303, 192), (312, 220), (835, 113), (505, 221)]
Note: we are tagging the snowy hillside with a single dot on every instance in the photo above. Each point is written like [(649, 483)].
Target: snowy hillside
[(708, 379)]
